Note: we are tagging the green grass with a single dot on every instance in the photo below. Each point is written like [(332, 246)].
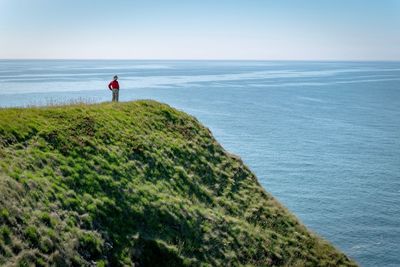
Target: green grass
[(137, 183)]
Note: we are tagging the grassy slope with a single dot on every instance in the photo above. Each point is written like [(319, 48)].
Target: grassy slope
[(137, 183)]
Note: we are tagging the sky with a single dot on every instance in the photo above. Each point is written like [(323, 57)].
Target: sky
[(200, 29)]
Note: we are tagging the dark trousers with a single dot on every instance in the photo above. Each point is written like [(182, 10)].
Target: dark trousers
[(115, 95)]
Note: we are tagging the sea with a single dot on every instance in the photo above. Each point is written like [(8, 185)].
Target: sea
[(322, 137)]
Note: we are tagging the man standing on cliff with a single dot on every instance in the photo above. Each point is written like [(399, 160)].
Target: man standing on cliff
[(114, 87)]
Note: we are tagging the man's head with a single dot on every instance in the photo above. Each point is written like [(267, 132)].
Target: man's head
[(115, 77)]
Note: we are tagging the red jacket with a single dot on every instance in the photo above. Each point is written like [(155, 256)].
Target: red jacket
[(113, 85)]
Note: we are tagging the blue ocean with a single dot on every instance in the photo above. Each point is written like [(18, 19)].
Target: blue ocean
[(322, 137)]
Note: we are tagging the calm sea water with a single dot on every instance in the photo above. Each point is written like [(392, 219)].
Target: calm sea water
[(322, 137)]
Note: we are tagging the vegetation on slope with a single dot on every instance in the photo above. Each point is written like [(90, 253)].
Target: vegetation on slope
[(141, 184)]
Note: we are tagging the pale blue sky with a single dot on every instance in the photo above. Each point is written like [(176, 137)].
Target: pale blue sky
[(201, 29)]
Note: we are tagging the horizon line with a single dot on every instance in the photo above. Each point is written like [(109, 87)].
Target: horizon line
[(211, 59)]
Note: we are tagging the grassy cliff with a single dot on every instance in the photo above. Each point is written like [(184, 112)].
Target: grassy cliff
[(141, 184)]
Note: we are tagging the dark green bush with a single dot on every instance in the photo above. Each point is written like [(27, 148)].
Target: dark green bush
[(32, 235), (5, 233), (90, 245)]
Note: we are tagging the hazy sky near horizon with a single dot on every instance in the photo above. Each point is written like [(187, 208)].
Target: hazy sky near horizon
[(206, 29)]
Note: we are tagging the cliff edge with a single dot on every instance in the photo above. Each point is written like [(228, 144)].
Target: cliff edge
[(137, 183)]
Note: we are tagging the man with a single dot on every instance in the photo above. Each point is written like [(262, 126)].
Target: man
[(114, 87)]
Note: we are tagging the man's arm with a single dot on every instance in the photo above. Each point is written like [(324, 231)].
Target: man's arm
[(109, 86)]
